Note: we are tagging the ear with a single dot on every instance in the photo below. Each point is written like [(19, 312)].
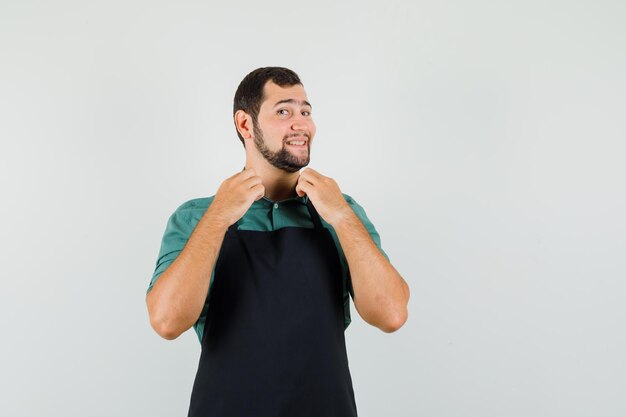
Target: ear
[(243, 123)]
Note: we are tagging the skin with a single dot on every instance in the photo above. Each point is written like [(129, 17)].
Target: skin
[(380, 294)]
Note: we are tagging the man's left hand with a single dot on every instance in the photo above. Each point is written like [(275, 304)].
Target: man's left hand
[(324, 194)]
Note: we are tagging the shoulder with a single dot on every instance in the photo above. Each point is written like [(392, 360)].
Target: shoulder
[(187, 215), (193, 208), (356, 207), (195, 204)]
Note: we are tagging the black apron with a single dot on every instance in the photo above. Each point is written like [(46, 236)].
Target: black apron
[(273, 342)]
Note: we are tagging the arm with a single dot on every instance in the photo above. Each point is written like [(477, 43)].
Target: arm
[(176, 299), (380, 294)]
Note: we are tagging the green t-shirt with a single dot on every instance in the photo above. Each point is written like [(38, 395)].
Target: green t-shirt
[(264, 215)]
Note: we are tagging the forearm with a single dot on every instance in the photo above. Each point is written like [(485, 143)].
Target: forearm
[(178, 296), (380, 294)]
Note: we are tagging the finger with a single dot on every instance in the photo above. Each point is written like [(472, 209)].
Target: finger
[(305, 180), (299, 191), (252, 181), (247, 173), (311, 170), (258, 191), (311, 178), (242, 174), (305, 187), (311, 174)]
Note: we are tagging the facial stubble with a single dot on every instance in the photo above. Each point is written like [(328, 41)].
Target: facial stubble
[(282, 159)]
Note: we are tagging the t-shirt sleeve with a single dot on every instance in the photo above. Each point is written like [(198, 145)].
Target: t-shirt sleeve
[(175, 238), (360, 212)]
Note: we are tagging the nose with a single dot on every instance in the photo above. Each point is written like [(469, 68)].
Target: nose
[(301, 122)]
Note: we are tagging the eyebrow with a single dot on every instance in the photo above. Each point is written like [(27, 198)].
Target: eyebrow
[(293, 101)]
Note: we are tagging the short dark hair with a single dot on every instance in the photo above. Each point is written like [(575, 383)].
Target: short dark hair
[(249, 94)]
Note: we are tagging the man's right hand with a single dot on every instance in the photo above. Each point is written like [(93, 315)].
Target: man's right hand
[(235, 196), (178, 296)]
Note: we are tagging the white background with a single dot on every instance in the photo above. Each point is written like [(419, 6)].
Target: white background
[(486, 141)]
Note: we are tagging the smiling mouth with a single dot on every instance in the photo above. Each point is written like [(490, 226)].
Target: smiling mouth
[(298, 142)]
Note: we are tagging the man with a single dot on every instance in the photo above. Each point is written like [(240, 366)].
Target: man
[(263, 269)]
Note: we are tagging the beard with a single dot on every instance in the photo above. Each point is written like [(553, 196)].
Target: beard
[(282, 159)]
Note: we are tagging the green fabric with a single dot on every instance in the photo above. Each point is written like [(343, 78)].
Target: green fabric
[(263, 215)]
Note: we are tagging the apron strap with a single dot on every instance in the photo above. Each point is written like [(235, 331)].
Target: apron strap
[(233, 227), (314, 216)]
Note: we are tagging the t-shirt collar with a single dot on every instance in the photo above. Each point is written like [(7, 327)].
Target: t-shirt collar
[(303, 200)]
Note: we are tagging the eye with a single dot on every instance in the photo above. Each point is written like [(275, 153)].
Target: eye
[(306, 113), (283, 112)]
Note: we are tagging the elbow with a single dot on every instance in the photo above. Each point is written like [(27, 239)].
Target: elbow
[(388, 320), (161, 321), (395, 323), (398, 315), (164, 329)]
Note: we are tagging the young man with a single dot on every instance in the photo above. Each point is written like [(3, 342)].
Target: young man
[(263, 270)]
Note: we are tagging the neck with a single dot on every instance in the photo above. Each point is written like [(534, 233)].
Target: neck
[(279, 185)]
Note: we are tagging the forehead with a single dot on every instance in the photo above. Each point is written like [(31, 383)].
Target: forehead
[(273, 93)]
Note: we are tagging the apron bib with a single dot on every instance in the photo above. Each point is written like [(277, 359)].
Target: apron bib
[(273, 342)]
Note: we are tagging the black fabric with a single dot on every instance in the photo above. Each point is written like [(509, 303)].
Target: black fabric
[(273, 343)]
